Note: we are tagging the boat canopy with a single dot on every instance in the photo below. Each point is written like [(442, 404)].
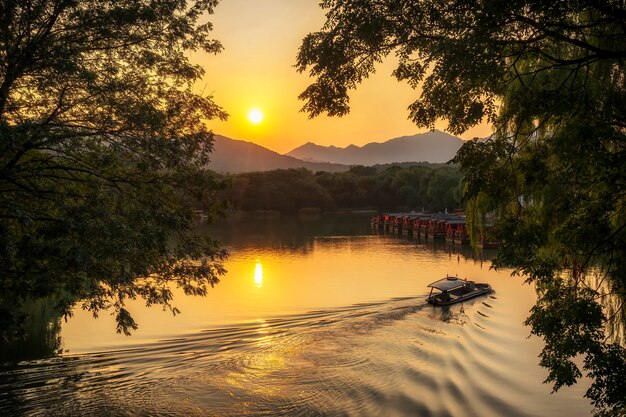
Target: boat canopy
[(447, 284)]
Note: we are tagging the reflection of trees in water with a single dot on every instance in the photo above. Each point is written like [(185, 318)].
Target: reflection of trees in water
[(616, 314), (612, 304), (58, 385), (288, 232), (41, 338), (296, 233)]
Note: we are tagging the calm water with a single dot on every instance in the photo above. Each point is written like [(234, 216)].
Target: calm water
[(315, 317)]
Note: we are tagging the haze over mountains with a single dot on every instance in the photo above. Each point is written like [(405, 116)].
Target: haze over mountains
[(435, 146), (236, 156)]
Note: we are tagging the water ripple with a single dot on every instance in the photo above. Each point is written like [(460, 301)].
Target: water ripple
[(400, 357)]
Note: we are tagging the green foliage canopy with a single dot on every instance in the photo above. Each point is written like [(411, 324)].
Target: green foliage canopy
[(551, 78), (103, 145), (410, 188)]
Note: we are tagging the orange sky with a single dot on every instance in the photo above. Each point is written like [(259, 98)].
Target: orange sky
[(261, 40)]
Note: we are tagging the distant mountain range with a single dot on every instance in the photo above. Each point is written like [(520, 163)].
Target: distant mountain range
[(435, 146), (236, 156)]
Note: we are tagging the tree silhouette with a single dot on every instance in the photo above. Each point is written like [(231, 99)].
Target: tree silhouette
[(103, 148), (550, 77)]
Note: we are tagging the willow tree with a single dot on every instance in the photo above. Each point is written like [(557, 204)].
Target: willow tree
[(103, 148), (551, 79)]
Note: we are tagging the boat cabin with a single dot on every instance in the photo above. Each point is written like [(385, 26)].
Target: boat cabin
[(453, 290)]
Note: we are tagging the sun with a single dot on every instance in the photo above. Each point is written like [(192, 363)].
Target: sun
[(255, 116)]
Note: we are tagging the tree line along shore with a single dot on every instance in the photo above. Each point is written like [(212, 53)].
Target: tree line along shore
[(433, 187)]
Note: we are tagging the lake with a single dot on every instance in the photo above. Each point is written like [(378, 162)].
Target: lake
[(316, 316)]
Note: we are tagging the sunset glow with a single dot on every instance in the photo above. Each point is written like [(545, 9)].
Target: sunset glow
[(320, 207), (255, 69)]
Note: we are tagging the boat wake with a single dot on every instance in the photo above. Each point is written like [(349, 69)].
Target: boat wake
[(399, 357)]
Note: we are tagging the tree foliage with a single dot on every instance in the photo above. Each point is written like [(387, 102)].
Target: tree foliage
[(551, 78), (103, 148), (284, 190), (394, 188)]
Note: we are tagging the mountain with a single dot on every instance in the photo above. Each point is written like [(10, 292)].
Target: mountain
[(435, 146), (235, 156)]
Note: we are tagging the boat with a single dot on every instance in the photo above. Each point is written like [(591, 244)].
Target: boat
[(454, 290)]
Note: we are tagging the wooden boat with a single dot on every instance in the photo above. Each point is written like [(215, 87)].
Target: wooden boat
[(454, 290)]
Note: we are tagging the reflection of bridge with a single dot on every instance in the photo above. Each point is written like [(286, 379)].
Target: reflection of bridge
[(478, 254), (450, 227)]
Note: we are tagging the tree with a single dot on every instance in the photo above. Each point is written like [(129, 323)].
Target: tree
[(284, 190), (103, 154), (550, 77)]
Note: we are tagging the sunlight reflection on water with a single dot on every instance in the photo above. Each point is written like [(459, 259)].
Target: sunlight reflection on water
[(258, 274), (330, 323)]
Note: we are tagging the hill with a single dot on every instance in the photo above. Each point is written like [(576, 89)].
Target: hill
[(236, 156), (435, 146)]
